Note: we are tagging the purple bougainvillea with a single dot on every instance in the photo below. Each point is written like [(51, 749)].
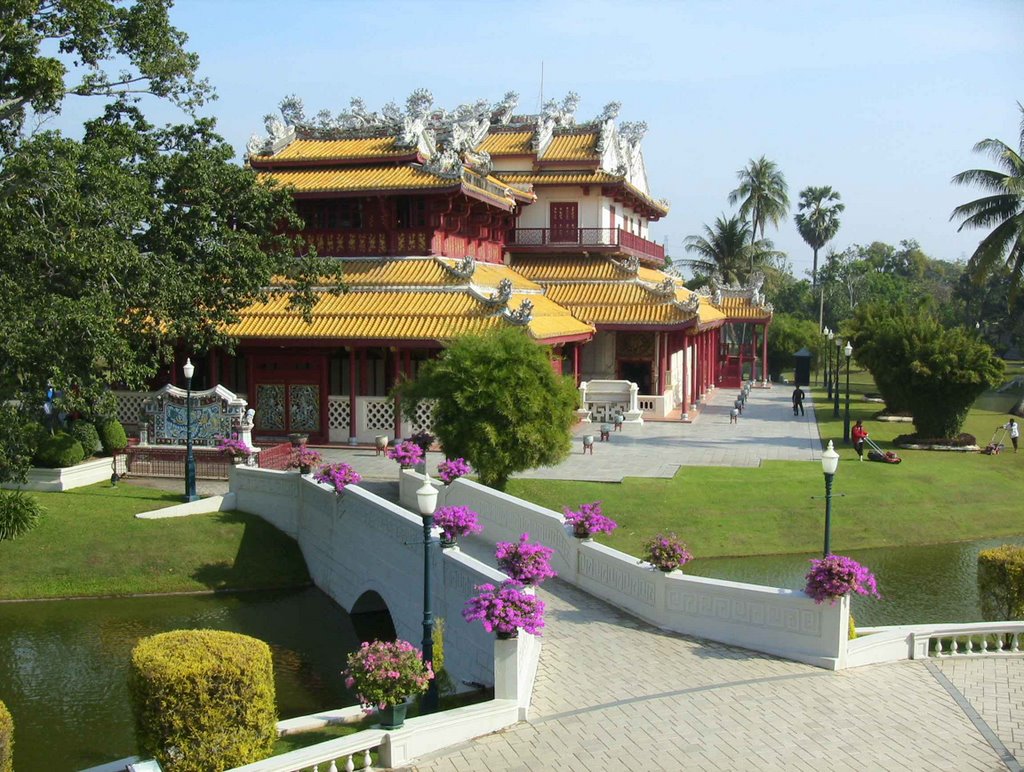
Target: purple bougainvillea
[(837, 575), (233, 447), (453, 469), (338, 475), (406, 453), (524, 562), (589, 520), (666, 552), (505, 609), (456, 521)]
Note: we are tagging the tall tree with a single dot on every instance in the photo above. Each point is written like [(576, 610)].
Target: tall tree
[(763, 195), (1003, 209), (725, 248), (818, 219)]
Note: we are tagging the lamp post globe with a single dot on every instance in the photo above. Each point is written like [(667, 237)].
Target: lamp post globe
[(189, 370), (829, 465), (846, 415), (835, 371), (426, 502)]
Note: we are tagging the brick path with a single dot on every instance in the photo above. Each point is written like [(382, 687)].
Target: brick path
[(614, 693)]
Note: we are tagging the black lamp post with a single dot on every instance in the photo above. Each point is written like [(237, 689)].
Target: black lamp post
[(426, 499), (846, 416), (829, 335), (835, 370), (190, 460), (829, 464)]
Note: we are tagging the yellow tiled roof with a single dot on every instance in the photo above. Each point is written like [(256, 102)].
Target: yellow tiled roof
[(742, 308), (616, 303), (337, 149), (596, 177), (359, 178), (572, 147), (507, 143), (400, 315), (543, 269), (426, 272)]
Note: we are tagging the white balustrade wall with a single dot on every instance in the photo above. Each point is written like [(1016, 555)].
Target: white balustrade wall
[(785, 623)]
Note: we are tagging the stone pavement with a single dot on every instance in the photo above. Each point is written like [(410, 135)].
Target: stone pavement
[(767, 430), (613, 693)]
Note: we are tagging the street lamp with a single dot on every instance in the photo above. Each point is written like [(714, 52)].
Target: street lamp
[(835, 391), (828, 361), (426, 500), (846, 417), (829, 464), (190, 460)]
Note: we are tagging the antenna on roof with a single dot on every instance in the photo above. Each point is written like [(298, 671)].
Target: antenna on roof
[(540, 99)]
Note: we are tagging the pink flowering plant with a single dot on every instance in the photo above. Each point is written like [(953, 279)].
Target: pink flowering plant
[(234, 447), (589, 520), (385, 673), (451, 470), (505, 609), (524, 562), (406, 453), (303, 456), (338, 475), (456, 521), (666, 552), (837, 575)]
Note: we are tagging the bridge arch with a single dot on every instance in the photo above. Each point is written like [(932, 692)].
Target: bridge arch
[(372, 618)]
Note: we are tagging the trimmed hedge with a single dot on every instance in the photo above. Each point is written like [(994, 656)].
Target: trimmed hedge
[(6, 739), (1001, 582), (112, 436), (58, 451), (85, 432), (202, 699)]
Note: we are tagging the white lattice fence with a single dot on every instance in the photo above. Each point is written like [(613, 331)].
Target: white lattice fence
[(423, 420), (379, 414), (338, 412), (129, 406)]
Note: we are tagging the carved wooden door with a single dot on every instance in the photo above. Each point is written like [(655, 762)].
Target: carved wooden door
[(565, 222)]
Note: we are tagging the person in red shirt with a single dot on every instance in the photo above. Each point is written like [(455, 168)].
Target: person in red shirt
[(858, 433)]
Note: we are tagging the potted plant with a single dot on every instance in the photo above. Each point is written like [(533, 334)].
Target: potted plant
[(451, 470), (407, 453), (666, 552), (338, 475), (832, 577), (423, 439), (455, 522), (524, 562), (385, 675), (589, 520), (303, 458), (234, 448), (505, 609)]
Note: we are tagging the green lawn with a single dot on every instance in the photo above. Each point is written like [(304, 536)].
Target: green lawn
[(89, 543), (931, 497)]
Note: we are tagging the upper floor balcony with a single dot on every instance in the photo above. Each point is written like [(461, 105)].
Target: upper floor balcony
[(609, 240)]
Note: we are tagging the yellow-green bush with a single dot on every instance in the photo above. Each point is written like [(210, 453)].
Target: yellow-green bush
[(203, 699), (6, 739), (1001, 582)]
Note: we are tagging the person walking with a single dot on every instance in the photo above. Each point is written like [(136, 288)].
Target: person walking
[(798, 400), (859, 434), (1014, 428)]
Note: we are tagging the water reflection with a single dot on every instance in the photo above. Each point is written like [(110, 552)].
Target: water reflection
[(63, 664), (919, 585)]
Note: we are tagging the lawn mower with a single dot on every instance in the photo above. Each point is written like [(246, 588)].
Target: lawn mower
[(877, 454)]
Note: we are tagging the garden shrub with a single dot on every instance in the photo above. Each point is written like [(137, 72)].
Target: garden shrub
[(6, 739), (85, 432), (1001, 582), (59, 450), (19, 513), (202, 699), (112, 436)]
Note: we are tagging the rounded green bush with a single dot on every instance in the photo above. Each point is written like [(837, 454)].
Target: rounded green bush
[(1001, 582), (6, 739), (85, 432), (19, 514), (202, 699), (112, 436), (58, 451)]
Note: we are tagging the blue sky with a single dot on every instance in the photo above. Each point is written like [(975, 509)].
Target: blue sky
[(881, 100)]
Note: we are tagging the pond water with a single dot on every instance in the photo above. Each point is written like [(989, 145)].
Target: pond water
[(918, 585), (63, 664)]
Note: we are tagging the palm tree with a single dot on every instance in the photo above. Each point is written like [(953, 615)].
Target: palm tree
[(726, 248), (818, 219), (1004, 209), (763, 193)]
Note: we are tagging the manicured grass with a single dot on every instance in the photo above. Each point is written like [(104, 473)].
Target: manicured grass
[(931, 497), (89, 543)]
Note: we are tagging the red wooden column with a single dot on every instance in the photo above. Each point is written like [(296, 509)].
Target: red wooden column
[(665, 360), (576, 363), (698, 354), (764, 353), (684, 408), (352, 380)]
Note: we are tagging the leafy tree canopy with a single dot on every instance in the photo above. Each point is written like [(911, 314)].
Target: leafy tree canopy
[(498, 404)]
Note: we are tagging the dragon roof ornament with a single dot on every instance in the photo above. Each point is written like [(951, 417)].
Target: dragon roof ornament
[(522, 315), (629, 264), (690, 306), (463, 269), (666, 288), (502, 295)]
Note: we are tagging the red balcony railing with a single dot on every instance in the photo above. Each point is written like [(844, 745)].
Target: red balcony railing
[(369, 243), (573, 239)]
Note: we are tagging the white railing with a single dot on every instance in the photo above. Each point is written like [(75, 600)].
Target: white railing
[(344, 750), (875, 645), (654, 406), (601, 400)]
